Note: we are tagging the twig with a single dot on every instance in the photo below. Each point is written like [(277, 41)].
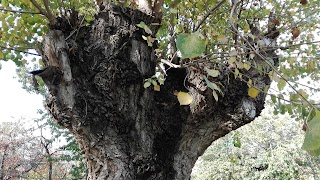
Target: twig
[(260, 90), (209, 13), (60, 7), (264, 59), (15, 49), (223, 56), (293, 45), (157, 7), (41, 10), (51, 17), (17, 11), (170, 64), (235, 36)]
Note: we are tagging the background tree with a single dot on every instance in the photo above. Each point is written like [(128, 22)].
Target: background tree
[(97, 69), (29, 154), (66, 152), (268, 148), (60, 149), (20, 152)]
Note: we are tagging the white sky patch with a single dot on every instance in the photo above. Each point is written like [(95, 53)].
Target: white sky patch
[(15, 102)]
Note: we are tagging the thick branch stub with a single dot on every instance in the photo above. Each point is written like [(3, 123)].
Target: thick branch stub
[(58, 75)]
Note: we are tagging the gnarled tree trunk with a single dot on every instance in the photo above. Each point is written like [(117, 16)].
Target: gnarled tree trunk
[(95, 79)]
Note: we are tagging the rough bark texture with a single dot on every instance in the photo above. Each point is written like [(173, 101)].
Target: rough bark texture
[(95, 79)]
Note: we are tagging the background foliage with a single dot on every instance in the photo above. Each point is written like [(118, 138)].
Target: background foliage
[(268, 148)]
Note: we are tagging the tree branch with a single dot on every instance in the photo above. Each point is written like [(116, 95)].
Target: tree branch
[(46, 12), (51, 17), (208, 14), (157, 7), (264, 59), (15, 49), (293, 45), (226, 54), (17, 11), (270, 94), (41, 10)]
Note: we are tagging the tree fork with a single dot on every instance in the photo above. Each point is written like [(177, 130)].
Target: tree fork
[(124, 130)]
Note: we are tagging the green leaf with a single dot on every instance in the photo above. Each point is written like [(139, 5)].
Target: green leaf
[(303, 93), (214, 88), (266, 11), (312, 137), (213, 72), (145, 27), (315, 152), (246, 27), (146, 84), (266, 89), (154, 82), (282, 108), (190, 45), (274, 99), (246, 66), (289, 109), (274, 76), (236, 140), (233, 159), (212, 85), (281, 84), (215, 95)]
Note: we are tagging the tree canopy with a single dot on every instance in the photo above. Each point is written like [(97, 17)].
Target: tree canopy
[(233, 35)]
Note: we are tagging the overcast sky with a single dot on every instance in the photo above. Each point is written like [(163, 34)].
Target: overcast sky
[(15, 102)]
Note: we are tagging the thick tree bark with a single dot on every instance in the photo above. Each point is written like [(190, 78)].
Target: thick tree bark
[(95, 79)]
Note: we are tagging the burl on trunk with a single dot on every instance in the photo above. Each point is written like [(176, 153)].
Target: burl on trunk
[(95, 80)]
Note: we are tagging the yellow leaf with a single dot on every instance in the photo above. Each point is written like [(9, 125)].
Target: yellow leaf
[(236, 73), (246, 66), (184, 98), (292, 60), (231, 60), (311, 65), (239, 64), (156, 88), (253, 92), (222, 39), (249, 83), (246, 27)]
